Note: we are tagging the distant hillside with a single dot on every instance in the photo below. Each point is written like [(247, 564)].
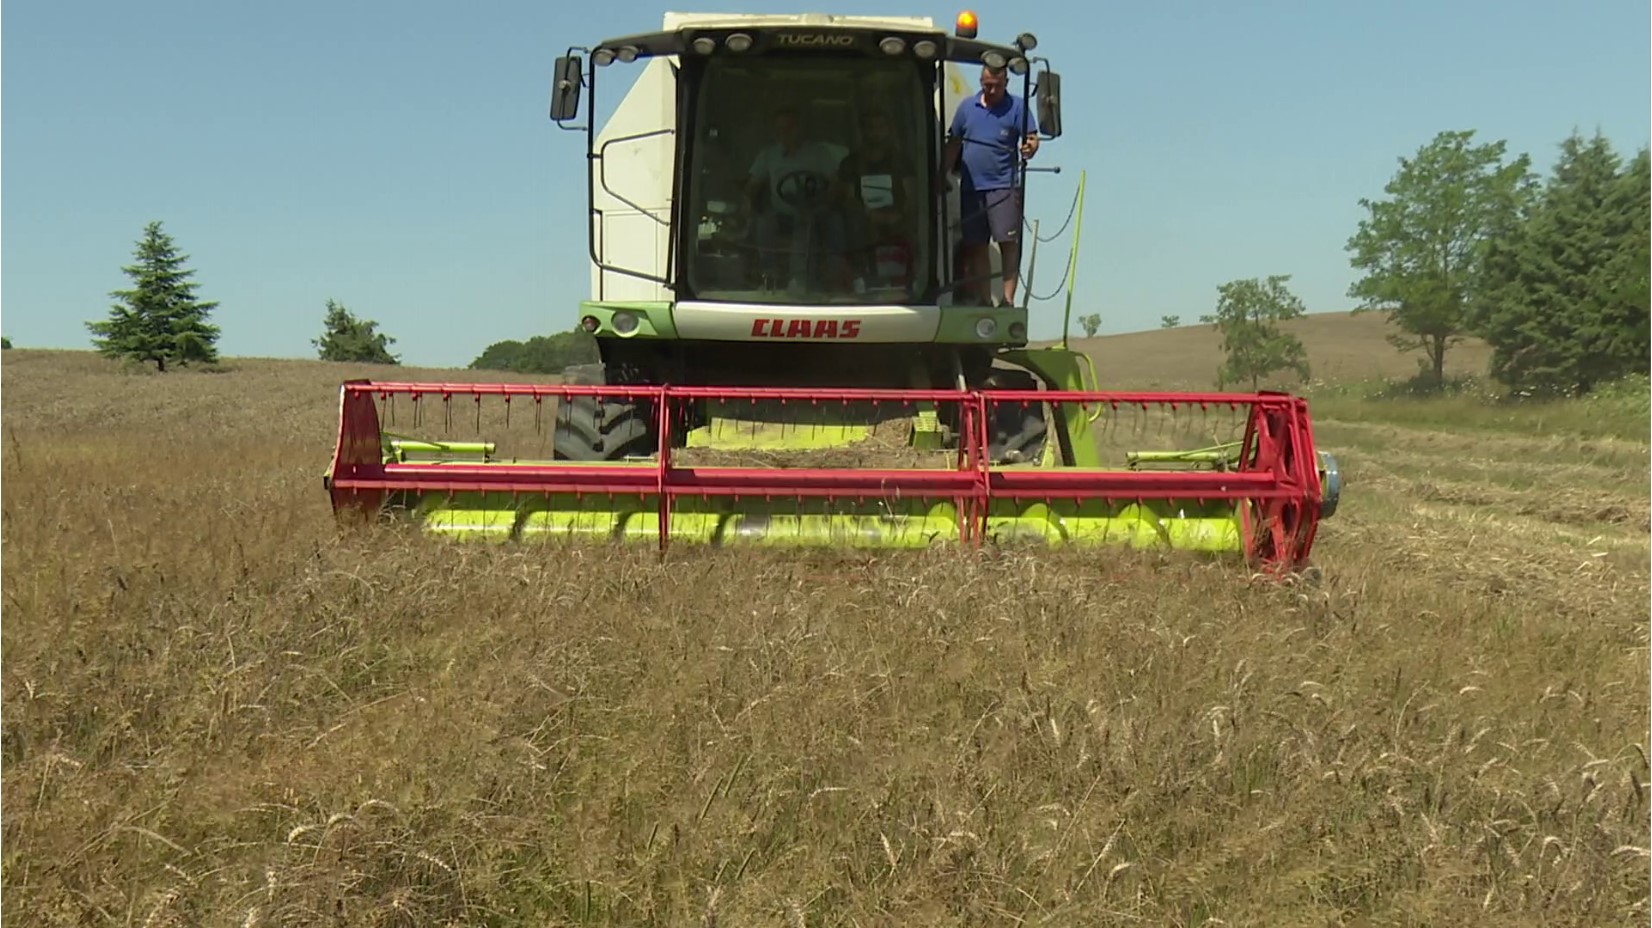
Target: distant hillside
[(1341, 347)]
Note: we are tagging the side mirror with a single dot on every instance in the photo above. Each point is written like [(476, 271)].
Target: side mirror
[(1049, 104), (570, 78)]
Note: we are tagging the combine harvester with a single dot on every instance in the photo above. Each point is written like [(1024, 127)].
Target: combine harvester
[(761, 343)]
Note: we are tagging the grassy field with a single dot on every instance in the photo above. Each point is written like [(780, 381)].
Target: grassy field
[(219, 710)]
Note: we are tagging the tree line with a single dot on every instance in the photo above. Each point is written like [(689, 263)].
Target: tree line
[(160, 320), (1550, 272)]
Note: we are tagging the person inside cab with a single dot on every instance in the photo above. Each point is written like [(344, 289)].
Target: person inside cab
[(793, 190), (880, 182)]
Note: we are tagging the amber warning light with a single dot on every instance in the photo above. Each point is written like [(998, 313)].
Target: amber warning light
[(967, 25)]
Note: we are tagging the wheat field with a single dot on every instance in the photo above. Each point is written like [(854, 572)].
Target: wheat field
[(219, 709)]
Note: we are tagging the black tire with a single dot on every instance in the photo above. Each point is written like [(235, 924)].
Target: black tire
[(590, 428), (1016, 433)]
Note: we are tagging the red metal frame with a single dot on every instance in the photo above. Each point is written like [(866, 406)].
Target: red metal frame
[(1277, 483)]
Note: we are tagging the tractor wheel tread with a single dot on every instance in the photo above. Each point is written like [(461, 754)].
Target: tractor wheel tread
[(590, 428)]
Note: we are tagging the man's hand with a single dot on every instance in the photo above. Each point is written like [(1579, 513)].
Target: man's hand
[(1029, 146)]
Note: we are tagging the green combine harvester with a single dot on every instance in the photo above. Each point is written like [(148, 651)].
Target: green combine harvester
[(794, 353)]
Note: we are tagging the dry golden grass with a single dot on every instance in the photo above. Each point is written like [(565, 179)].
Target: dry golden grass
[(221, 711)]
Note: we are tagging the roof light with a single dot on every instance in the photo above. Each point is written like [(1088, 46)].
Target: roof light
[(602, 57), (1026, 41), (704, 45), (924, 49), (893, 45), (994, 59), (967, 26), (738, 42), (1018, 65)]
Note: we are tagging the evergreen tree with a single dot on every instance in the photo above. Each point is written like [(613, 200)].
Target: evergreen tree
[(1629, 272), (1566, 304), (159, 320), (347, 338), (1248, 313), (1422, 248)]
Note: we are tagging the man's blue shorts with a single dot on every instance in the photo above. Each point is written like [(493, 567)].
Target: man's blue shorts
[(991, 215)]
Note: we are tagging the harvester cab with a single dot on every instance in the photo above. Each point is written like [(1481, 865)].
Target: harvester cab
[(798, 342), (769, 206)]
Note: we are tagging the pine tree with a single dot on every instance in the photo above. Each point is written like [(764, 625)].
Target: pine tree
[(1629, 272), (1566, 290), (347, 338), (159, 320)]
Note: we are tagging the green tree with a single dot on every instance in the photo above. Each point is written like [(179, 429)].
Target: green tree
[(159, 320), (541, 354), (1248, 313), (1422, 249), (5, 343), (1169, 322), (1091, 323), (347, 338), (1566, 289), (1631, 267)]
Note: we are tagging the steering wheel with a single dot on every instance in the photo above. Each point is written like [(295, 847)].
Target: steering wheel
[(803, 190)]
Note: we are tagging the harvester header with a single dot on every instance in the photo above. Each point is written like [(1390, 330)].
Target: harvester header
[(805, 251), (1259, 497)]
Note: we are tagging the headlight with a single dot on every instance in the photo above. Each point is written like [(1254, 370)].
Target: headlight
[(625, 322), (986, 328)]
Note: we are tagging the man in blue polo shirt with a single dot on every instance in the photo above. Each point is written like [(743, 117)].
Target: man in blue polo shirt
[(991, 132)]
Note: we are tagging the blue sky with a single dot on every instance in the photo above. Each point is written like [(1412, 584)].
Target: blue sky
[(397, 156)]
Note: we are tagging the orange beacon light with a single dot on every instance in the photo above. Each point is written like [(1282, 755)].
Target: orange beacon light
[(967, 25)]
